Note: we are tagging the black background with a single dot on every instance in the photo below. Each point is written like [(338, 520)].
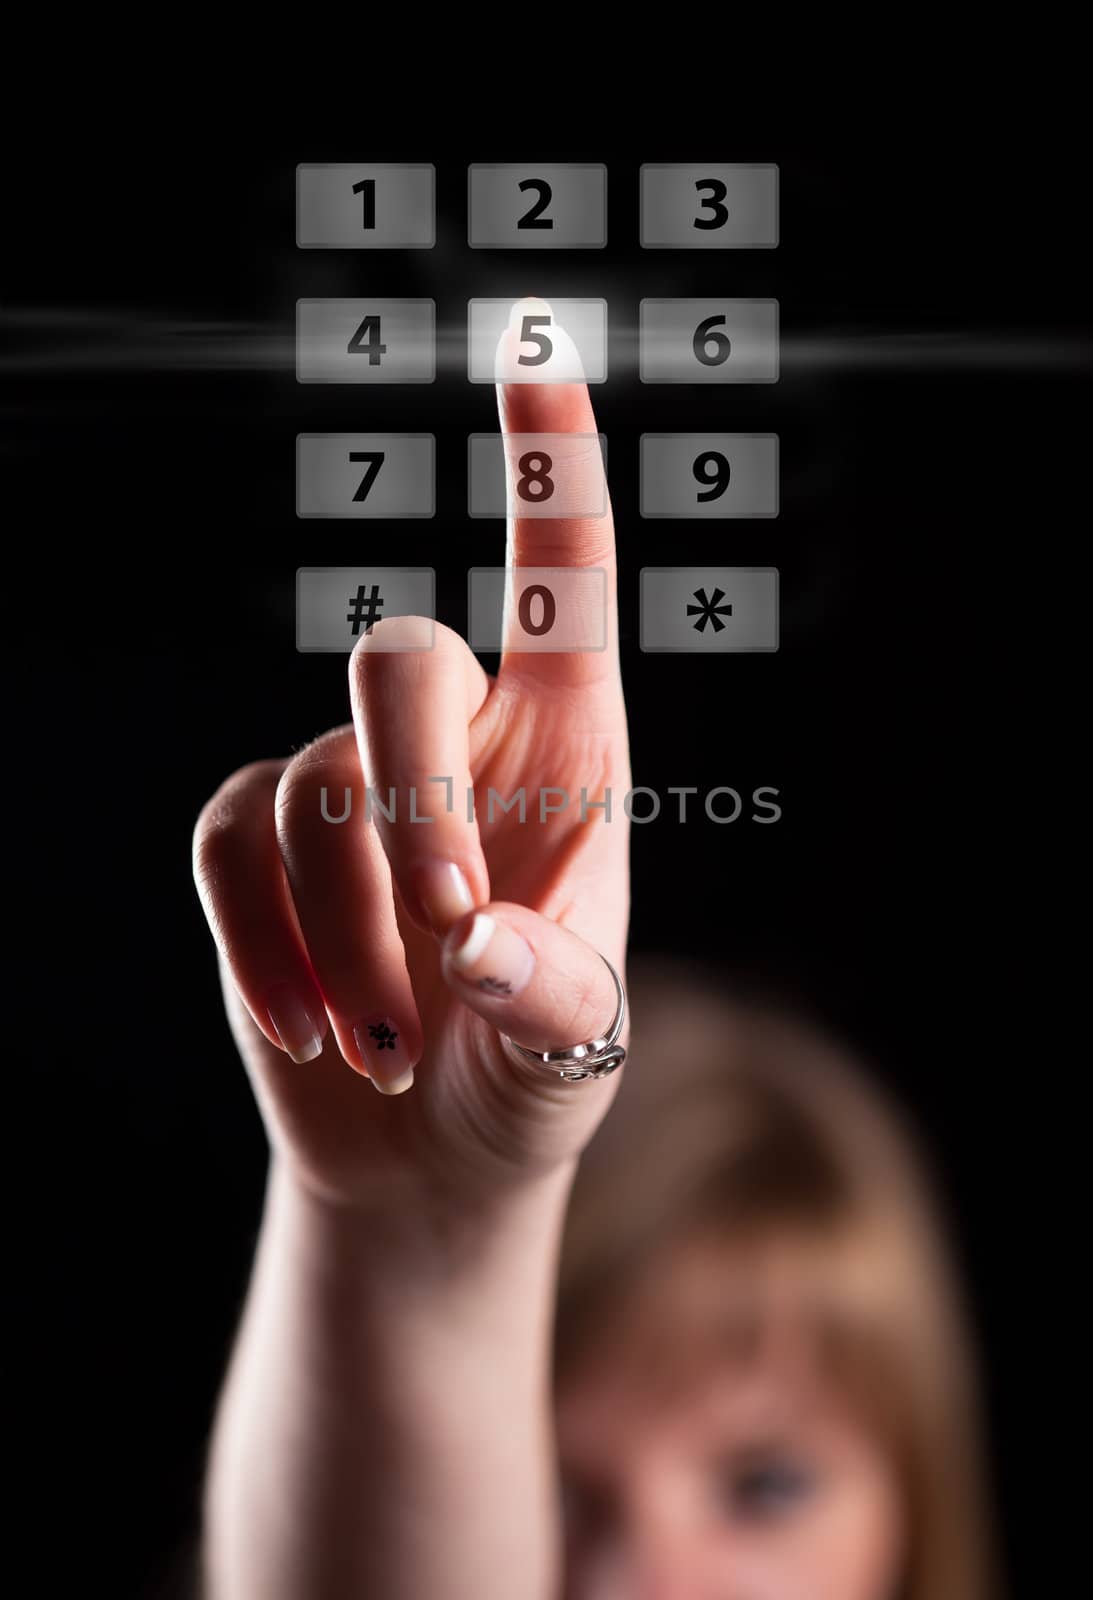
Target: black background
[(149, 494)]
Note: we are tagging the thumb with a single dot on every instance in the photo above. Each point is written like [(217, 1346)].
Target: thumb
[(530, 978)]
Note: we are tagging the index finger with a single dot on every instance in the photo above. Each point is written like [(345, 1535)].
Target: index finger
[(584, 538)]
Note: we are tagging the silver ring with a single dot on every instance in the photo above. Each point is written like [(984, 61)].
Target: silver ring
[(596, 1058)]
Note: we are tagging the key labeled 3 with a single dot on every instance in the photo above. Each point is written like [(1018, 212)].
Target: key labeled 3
[(537, 341), (709, 206), (536, 475)]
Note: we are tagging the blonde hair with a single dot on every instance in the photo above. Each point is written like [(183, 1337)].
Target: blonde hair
[(745, 1140)]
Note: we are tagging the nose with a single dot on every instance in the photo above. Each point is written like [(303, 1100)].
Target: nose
[(660, 1545), (658, 1559)]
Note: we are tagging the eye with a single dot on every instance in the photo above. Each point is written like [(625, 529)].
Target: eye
[(768, 1487)]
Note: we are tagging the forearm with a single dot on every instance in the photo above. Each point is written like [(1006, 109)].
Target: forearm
[(386, 1428)]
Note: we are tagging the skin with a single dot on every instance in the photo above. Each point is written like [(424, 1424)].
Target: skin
[(386, 1426), (743, 1481)]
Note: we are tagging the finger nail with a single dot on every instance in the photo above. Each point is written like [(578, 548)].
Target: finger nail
[(538, 350), (530, 306), (490, 955), (299, 1032), (443, 892), (383, 1054)]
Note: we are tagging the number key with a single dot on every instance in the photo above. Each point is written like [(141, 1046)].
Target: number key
[(709, 206), (708, 341), (536, 475), (365, 341), (551, 206), (365, 474), (709, 475), (358, 206)]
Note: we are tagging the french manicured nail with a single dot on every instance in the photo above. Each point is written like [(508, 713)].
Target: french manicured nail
[(384, 1055), (491, 955), (300, 1033), (444, 893)]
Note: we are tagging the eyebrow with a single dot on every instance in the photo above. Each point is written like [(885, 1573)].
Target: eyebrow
[(758, 1449)]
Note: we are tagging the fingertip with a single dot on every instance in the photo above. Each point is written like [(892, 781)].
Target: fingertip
[(399, 1086), (530, 306), (535, 348), (299, 1024), (397, 633), (485, 953)]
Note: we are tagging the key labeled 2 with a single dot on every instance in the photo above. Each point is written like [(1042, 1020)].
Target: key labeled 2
[(708, 341), (551, 206), (365, 474), (365, 341), (709, 475)]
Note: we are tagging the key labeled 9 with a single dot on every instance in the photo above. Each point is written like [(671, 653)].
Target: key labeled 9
[(709, 475)]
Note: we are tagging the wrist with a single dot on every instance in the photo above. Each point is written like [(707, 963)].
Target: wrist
[(416, 1232), (387, 1356)]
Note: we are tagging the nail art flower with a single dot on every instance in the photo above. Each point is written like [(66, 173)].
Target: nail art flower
[(384, 1036)]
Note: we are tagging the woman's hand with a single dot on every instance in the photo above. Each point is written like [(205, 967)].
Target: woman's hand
[(352, 948)]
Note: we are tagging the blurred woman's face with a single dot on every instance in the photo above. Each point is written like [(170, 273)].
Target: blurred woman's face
[(741, 1483)]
